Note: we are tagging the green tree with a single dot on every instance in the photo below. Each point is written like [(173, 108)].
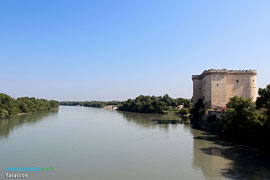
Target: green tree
[(10, 106), (241, 118), (197, 110), (263, 101), (3, 113), (149, 104), (184, 111)]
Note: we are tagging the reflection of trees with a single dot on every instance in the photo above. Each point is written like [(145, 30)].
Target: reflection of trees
[(148, 120), (215, 157), (7, 125)]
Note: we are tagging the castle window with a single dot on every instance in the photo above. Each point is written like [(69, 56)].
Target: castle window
[(217, 85), (253, 80), (237, 81)]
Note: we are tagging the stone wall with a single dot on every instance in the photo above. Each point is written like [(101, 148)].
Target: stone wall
[(216, 87)]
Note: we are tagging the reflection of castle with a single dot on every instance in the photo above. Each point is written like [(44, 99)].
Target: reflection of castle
[(216, 87)]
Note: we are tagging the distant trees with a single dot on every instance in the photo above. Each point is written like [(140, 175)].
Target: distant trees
[(10, 106), (152, 104), (142, 104), (98, 104)]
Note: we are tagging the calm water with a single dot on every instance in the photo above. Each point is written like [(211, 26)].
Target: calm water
[(99, 144)]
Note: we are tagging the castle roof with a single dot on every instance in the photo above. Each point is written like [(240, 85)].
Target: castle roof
[(220, 71)]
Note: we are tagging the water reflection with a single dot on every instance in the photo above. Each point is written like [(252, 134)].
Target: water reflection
[(216, 157), (7, 125), (149, 120), (91, 138)]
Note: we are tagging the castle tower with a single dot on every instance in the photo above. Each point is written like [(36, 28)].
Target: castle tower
[(216, 87)]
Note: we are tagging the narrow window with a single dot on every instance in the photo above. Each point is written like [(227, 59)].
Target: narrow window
[(237, 81), (217, 85)]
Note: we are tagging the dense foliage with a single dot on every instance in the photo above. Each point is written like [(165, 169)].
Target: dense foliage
[(263, 101), (184, 111), (10, 106), (152, 104), (244, 122), (242, 119), (198, 110), (98, 104), (249, 120)]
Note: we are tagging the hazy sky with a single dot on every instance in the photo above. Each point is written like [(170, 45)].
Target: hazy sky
[(106, 50)]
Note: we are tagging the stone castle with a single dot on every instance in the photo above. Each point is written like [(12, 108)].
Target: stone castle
[(216, 87)]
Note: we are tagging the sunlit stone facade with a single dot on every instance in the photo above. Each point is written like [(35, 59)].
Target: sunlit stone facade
[(216, 87)]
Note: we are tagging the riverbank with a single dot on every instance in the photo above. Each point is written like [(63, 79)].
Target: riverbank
[(15, 107), (155, 104), (97, 104), (258, 145), (212, 122), (23, 114)]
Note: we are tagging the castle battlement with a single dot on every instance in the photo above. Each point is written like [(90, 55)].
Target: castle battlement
[(216, 86), (212, 71)]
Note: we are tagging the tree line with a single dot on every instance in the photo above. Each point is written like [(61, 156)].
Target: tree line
[(10, 106), (141, 104), (154, 104), (98, 104)]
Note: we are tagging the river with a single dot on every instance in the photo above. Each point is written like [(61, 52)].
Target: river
[(100, 144)]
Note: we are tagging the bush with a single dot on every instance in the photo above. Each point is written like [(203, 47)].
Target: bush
[(241, 119), (184, 111)]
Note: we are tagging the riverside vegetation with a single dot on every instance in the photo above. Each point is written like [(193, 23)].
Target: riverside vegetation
[(10, 106), (155, 104), (141, 104), (98, 104), (243, 120)]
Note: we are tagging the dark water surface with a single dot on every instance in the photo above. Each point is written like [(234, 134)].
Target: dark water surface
[(100, 144)]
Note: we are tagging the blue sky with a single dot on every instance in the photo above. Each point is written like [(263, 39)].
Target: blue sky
[(106, 50)]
